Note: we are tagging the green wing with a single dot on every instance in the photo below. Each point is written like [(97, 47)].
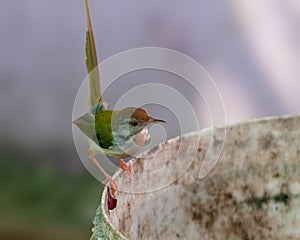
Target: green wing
[(103, 128), (97, 128)]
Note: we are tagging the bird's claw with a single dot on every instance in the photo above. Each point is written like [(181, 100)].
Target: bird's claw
[(112, 185), (125, 167)]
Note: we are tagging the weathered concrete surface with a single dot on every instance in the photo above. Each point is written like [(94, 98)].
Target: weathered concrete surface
[(252, 193)]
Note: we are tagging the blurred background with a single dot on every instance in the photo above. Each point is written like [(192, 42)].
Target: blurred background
[(250, 48)]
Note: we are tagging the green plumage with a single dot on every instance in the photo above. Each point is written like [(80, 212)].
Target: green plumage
[(97, 126), (103, 128)]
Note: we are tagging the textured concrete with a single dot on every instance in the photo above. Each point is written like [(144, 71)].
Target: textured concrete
[(253, 192)]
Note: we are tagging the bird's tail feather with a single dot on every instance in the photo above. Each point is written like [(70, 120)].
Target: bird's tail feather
[(86, 123)]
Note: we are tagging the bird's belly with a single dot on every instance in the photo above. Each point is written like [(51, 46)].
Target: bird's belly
[(124, 148), (132, 145)]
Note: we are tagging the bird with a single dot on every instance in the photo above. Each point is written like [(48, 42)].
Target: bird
[(115, 133)]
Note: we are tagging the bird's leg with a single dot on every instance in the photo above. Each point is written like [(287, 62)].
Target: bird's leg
[(125, 166), (112, 182)]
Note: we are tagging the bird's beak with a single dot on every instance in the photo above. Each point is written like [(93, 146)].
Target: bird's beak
[(153, 120)]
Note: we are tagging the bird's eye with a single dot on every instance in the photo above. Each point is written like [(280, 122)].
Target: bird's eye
[(133, 123)]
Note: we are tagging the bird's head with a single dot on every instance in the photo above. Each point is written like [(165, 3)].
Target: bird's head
[(131, 121)]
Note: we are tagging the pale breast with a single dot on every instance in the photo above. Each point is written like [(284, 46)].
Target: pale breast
[(142, 137)]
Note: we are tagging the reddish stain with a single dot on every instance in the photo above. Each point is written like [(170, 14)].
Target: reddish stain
[(111, 201)]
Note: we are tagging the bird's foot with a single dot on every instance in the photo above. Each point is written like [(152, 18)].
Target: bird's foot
[(111, 198), (125, 166), (111, 201), (111, 184)]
